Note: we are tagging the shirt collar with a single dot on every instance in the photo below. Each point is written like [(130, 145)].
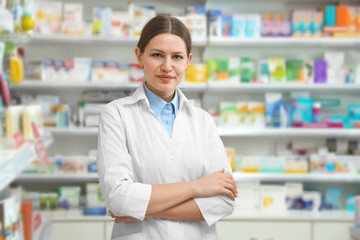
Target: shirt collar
[(157, 104), (139, 95)]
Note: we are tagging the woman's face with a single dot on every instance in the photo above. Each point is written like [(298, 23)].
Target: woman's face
[(165, 61)]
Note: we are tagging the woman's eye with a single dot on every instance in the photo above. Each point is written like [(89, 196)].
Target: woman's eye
[(178, 57), (156, 54)]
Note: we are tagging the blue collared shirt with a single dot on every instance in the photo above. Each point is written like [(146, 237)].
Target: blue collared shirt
[(165, 111)]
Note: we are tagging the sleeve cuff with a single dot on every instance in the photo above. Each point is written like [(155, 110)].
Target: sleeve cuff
[(136, 205), (214, 208)]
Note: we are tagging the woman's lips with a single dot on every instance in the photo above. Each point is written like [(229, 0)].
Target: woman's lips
[(165, 78)]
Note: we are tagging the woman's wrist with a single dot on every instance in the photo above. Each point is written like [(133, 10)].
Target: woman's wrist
[(193, 188)]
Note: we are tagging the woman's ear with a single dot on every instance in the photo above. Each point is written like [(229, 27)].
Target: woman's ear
[(189, 59), (138, 56)]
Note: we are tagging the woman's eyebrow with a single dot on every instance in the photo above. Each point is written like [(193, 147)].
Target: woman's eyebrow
[(161, 51)]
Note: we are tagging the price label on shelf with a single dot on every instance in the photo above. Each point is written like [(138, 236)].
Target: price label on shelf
[(18, 139), (39, 144)]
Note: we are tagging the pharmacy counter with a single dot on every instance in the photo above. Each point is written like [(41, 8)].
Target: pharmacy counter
[(241, 224)]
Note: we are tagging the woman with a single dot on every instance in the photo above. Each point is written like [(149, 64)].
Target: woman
[(163, 170)]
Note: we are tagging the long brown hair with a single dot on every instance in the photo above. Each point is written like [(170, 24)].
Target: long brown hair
[(164, 24)]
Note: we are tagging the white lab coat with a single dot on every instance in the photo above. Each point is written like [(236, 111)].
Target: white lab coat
[(135, 151)]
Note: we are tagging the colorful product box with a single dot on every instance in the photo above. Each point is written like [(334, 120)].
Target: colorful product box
[(214, 23), (229, 114), (222, 65), (238, 29), (48, 17), (256, 115), (247, 70), (102, 21), (253, 26), (277, 70), (72, 19), (320, 72), (227, 25), (273, 197), (294, 71)]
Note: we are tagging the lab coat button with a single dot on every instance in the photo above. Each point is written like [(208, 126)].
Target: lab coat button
[(172, 156)]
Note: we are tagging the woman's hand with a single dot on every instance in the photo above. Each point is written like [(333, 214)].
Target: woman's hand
[(123, 219), (216, 183)]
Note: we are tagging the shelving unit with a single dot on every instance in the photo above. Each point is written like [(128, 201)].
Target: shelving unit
[(238, 214), (240, 132), (13, 162), (18, 39), (284, 41), (194, 87), (297, 177), (52, 177), (289, 132), (121, 50), (132, 41), (286, 87), (125, 86), (238, 176)]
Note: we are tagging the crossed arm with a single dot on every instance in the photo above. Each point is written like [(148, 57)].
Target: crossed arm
[(175, 201)]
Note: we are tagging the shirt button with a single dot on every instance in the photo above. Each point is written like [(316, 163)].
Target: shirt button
[(167, 122)]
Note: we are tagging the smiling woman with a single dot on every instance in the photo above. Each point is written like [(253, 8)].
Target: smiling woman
[(165, 60), (162, 167)]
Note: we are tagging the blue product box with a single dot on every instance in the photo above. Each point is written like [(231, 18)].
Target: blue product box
[(226, 25), (195, 9), (302, 111), (238, 28), (92, 167), (351, 203), (273, 114), (354, 111), (95, 211), (214, 23), (288, 107), (332, 199), (330, 16)]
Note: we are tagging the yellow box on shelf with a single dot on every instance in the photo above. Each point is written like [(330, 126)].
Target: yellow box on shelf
[(196, 73)]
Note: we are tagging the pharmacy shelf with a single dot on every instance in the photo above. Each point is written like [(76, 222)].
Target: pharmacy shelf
[(50, 85), (15, 38), (287, 177), (206, 42), (238, 132), (216, 86), (93, 131), (237, 215), (13, 162), (73, 39), (288, 132), (57, 177), (293, 215), (219, 86), (311, 42), (74, 215)]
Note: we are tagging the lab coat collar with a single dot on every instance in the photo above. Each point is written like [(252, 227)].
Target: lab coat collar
[(139, 95)]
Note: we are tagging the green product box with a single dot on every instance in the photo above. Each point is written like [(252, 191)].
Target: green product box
[(234, 69), (222, 65), (269, 164), (211, 70), (247, 70), (294, 71)]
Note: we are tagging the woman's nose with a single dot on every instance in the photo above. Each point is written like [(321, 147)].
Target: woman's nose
[(166, 65)]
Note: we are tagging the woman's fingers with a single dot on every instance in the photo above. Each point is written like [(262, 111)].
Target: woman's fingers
[(231, 188), (229, 193), (112, 215)]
